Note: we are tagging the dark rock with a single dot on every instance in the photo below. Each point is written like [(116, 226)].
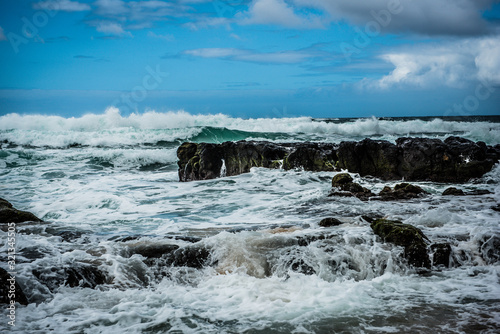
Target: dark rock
[(75, 275), (9, 286), (341, 179), (441, 254), (189, 256), (369, 157), (152, 250), (414, 159), (411, 238), (8, 214), (454, 160), (348, 188), (328, 222), (452, 191), (496, 207), (401, 191), (312, 157)]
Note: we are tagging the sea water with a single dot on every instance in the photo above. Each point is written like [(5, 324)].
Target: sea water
[(111, 182)]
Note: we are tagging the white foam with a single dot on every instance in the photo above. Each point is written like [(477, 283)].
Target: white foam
[(111, 126)]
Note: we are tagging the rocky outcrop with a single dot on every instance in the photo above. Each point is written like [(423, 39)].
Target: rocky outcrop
[(205, 161), (8, 214), (414, 159), (411, 238)]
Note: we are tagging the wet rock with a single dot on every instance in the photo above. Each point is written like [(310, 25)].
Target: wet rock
[(369, 157), (348, 188), (10, 289), (411, 238), (75, 275), (489, 247), (342, 179), (312, 157), (401, 191), (454, 160), (151, 250), (452, 191), (441, 254), (496, 207), (414, 159), (189, 256), (328, 222), (8, 214), (204, 161)]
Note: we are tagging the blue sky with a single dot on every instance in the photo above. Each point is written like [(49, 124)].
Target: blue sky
[(259, 58)]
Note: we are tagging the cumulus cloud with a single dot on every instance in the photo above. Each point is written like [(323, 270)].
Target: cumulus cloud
[(278, 12), (62, 5), (453, 64), (430, 17), (283, 57)]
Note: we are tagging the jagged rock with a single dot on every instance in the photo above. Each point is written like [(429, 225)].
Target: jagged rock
[(411, 238), (204, 161), (369, 157), (312, 157), (454, 160), (348, 188), (8, 214), (401, 191), (75, 275), (328, 222), (414, 159), (452, 191), (189, 256), (441, 254), (9, 286)]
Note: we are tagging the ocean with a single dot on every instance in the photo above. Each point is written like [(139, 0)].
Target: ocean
[(108, 189)]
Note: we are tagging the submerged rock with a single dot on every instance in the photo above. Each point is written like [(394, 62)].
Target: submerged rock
[(414, 159), (441, 254), (74, 275), (411, 238), (328, 222), (8, 214), (452, 191), (10, 289)]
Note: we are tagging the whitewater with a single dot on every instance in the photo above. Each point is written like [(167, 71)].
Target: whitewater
[(108, 189)]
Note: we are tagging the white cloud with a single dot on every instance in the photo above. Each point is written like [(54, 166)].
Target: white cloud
[(112, 28), (282, 57), (2, 35), (166, 37), (62, 5), (453, 64), (278, 12)]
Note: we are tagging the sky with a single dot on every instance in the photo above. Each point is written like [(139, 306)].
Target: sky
[(251, 58)]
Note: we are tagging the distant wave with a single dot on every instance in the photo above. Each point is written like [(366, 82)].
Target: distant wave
[(113, 129)]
